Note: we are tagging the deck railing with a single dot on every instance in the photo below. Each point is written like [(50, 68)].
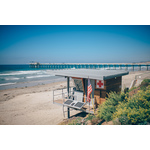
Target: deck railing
[(62, 94)]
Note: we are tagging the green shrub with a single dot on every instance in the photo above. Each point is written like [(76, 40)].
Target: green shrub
[(136, 110), (123, 120), (78, 121), (133, 88), (75, 122), (90, 117), (144, 84), (93, 119), (122, 109), (106, 110)]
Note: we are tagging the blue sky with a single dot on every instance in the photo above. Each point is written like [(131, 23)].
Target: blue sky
[(74, 44)]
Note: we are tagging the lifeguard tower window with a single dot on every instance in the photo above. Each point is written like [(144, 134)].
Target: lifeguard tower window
[(78, 84)]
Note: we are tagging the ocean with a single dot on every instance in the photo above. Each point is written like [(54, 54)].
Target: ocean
[(15, 76)]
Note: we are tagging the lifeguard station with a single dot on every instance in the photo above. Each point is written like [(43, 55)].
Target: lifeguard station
[(102, 81)]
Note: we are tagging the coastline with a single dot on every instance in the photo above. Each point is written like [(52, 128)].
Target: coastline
[(8, 94), (34, 105), (31, 105)]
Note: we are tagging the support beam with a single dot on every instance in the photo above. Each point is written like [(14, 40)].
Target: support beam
[(139, 67), (114, 66), (126, 67), (120, 67), (104, 67), (133, 67), (68, 110), (68, 85), (108, 66), (147, 67)]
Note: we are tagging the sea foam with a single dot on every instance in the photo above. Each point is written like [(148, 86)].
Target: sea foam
[(39, 76), (20, 73), (7, 84)]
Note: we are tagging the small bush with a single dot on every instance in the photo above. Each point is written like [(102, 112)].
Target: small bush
[(144, 84), (78, 121), (90, 117), (106, 110), (136, 110), (75, 122), (126, 90), (123, 120), (95, 121), (133, 88), (125, 109)]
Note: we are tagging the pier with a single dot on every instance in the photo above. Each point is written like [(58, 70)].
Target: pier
[(109, 66)]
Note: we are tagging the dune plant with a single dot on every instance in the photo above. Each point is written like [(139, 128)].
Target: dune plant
[(93, 119), (106, 110), (76, 121), (122, 109), (127, 110), (136, 110), (144, 84)]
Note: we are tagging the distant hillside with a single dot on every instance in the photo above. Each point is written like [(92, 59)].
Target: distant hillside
[(147, 62), (142, 62)]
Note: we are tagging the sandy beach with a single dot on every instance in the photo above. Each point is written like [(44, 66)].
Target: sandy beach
[(34, 105)]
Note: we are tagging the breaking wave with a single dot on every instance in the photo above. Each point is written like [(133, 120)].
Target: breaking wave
[(38, 76), (20, 73), (7, 84)]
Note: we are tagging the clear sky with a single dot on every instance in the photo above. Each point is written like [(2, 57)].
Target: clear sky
[(74, 44)]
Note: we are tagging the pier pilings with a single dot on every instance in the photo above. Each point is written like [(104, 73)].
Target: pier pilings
[(127, 66)]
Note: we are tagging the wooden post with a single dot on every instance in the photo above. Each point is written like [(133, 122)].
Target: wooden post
[(68, 109), (126, 67), (139, 67), (109, 66), (114, 66), (147, 67), (120, 67), (133, 67)]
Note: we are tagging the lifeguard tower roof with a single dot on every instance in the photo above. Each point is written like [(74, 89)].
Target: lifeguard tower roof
[(91, 73)]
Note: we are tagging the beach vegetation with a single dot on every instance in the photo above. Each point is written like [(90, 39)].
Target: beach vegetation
[(90, 120), (106, 110), (136, 110), (133, 88), (144, 84), (73, 121), (93, 119), (127, 110), (122, 109), (77, 121)]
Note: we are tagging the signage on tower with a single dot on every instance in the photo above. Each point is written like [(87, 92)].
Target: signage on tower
[(100, 84)]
